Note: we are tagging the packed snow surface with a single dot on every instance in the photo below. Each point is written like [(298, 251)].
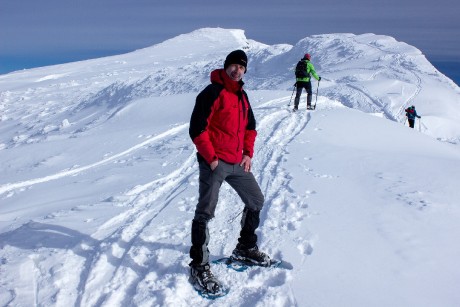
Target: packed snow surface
[(99, 178)]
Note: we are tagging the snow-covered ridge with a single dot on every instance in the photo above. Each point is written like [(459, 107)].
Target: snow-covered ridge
[(372, 73)]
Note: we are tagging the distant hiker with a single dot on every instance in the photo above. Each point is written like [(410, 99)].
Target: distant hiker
[(304, 71), (223, 129), (411, 115)]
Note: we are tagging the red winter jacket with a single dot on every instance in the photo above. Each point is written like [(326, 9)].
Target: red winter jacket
[(222, 125)]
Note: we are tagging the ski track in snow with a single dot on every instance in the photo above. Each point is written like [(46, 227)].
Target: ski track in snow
[(120, 280), (276, 130), (118, 237), (111, 266), (12, 186), (401, 60)]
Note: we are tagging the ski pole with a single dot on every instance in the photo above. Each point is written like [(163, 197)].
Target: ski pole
[(316, 100), (292, 95)]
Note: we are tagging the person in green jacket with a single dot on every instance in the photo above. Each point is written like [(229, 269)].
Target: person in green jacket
[(304, 71)]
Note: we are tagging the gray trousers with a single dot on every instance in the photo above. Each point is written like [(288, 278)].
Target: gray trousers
[(245, 186)]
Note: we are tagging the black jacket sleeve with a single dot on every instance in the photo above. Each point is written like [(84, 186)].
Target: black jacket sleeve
[(251, 119), (202, 110)]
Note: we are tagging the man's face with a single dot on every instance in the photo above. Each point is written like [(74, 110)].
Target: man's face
[(235, 71)]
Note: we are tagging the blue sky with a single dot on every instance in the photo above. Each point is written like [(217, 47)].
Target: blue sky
[(38, 33)]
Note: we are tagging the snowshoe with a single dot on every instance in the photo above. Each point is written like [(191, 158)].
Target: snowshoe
[(242, 265)]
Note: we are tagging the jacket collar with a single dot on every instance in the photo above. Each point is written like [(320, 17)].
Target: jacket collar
[(221, 77)]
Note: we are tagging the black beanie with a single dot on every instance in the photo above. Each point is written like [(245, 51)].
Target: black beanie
[(237, 57)]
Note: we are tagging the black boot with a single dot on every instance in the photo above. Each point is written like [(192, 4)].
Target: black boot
[(252, 255), (204, 280)]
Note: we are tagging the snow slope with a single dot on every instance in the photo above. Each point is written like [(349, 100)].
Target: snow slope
[(99, 178)]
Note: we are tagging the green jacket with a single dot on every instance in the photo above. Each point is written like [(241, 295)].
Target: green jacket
[(310, 71)]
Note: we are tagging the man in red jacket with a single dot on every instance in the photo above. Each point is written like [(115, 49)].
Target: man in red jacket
[(223, 129)]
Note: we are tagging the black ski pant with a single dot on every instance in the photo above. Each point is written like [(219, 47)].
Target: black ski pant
[(248, 190), (411, 122), (300, 86)]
